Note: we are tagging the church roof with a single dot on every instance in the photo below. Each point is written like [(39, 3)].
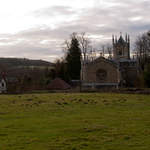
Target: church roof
[(121, 40), (112, 62)]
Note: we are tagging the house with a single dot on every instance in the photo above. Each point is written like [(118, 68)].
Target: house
[(3, 87)]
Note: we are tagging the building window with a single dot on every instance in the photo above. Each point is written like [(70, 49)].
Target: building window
[(3, 84), (120, 52), (101, 74)]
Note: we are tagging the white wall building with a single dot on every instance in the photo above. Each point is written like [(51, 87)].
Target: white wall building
[(3, 87)]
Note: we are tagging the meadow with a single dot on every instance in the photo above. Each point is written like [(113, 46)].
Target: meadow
[(79, 121)]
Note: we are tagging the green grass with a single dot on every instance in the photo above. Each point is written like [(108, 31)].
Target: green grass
[(75, 122)]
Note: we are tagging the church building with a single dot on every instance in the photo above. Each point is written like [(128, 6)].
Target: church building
[(118, 71)]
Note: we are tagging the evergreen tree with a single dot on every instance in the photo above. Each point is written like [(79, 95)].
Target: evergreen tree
[(73, 59)]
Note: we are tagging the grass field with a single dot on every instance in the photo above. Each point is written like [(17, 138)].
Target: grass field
[(75, 122)]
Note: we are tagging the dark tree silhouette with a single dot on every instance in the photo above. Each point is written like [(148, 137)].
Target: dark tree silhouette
[(142, 47), (73, 58)]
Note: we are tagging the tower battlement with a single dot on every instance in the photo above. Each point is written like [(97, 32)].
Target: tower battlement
[(121, 47)]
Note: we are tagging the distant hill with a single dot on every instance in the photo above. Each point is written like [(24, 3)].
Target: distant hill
[(23, 62)]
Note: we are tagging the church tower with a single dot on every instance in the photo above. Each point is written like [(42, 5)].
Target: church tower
[(121, 47)]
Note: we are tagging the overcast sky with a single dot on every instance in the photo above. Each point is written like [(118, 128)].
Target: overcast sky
[(36, 29)]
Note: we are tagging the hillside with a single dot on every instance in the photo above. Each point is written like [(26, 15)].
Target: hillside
[(23, 62)]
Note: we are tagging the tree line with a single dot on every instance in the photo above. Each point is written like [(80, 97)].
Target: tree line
[(75, 52), (142, 50)]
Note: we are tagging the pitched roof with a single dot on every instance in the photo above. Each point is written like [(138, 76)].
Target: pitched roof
[(112, 62), (58, 84)]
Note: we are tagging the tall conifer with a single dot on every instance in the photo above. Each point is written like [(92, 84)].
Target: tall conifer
[(73, 59)]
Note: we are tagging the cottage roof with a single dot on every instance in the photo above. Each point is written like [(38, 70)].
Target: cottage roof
[(58, 84)]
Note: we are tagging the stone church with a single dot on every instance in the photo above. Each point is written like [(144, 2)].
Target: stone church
[(118, 71)]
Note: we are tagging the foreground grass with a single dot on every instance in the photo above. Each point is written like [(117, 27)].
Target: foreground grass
[(75, 122)]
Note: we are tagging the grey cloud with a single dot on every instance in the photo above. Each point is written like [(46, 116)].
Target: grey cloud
[(115, 18), (54, 11), (30, 51), (98, 20)]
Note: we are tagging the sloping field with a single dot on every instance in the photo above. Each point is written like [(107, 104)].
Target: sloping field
[(75, 122)]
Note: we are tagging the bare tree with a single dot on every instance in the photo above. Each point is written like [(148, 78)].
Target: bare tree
[(142, 48), (102, 51), (67, 44), (106, 51), (84, 45), (109, 51)]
